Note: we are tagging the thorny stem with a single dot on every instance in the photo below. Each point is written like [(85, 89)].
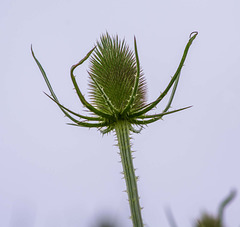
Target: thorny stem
[(123, 137)]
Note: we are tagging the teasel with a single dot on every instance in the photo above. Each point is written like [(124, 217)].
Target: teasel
[(118, 101)]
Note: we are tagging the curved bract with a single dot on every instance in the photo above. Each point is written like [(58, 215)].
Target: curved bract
[(117, 86)]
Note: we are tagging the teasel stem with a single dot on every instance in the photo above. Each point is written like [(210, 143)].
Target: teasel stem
[(122, 129)]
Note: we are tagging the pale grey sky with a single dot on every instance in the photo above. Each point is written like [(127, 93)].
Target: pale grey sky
[(55, 175)]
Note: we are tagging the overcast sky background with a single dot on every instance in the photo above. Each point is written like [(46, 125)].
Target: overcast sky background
[(55, 175)]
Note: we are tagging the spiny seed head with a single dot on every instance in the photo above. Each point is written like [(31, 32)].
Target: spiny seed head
[(113, 67)]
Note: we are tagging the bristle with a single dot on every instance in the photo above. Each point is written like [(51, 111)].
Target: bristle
[(113, 67)]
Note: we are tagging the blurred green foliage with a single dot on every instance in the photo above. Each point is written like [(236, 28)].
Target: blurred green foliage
[(208, 220)]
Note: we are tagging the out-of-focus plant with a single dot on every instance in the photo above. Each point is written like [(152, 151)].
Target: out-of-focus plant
[(105, 223), (208, 220), (118, 102)]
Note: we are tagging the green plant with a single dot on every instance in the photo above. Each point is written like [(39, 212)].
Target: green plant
[(117, 90), (208, 220)]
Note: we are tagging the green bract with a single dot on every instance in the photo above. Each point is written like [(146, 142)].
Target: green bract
[(117, 93)]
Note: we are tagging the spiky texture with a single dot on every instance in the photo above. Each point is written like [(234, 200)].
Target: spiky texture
[(113, 67)]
